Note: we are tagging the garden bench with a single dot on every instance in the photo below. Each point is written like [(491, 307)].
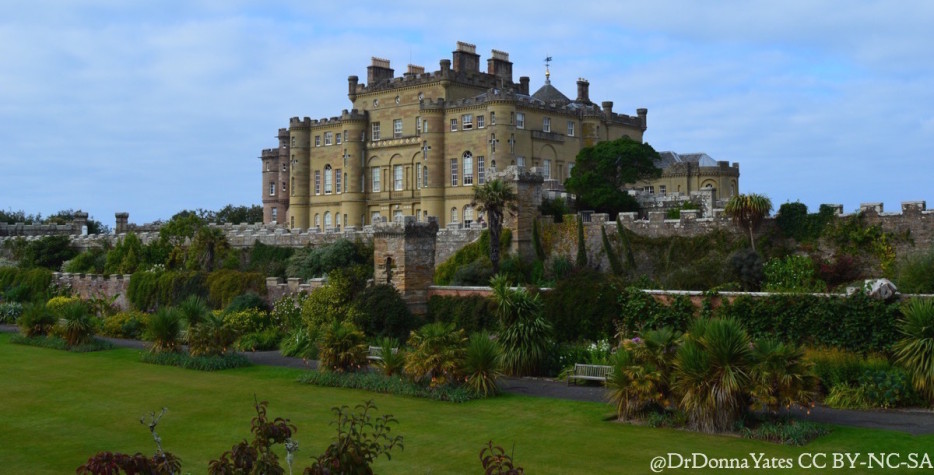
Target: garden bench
[(375, 353), (591, 372)]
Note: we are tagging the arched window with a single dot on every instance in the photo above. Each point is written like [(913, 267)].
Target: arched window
[(468, 168), (327, 220), (468, 214), (328, 180), (317, 220), (453, 215)]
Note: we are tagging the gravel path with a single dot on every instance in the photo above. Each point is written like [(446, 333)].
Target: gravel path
[(911, 421)]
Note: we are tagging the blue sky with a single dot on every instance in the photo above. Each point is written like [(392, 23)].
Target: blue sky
[(151, 107)]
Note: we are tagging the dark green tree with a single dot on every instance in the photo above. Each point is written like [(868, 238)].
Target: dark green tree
[(234, 214), (208, 249), (602, 170)]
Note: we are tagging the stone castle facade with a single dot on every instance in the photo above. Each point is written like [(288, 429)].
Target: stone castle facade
[(416, 145)]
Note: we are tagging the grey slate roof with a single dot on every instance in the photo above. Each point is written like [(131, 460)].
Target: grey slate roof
[(550, 94), (667, 159)]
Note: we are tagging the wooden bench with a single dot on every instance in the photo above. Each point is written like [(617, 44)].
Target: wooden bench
[(375, 353), (590, 372)]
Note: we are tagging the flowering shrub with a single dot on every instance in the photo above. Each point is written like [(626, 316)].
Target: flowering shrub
[(57, 305), (10, 311), (130, 324), (246, 321)]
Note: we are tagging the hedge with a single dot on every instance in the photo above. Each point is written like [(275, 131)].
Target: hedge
[(856, 323), (472, 314), (150, 290), (25, 285), (224, 285)]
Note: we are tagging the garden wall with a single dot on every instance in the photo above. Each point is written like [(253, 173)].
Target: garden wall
[(88, 286)]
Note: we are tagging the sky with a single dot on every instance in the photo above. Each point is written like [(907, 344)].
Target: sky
[(151, 107)]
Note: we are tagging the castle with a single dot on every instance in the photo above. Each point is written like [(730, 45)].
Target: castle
[(416, 145)]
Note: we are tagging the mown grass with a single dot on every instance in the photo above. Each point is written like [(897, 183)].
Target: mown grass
[(58, 408)]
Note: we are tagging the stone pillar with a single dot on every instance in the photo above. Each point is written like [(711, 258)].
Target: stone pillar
[(123, 219), (708, 198), (528, 188), (80, 223), (404, 257)]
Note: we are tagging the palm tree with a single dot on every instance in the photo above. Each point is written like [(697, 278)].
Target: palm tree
[(748, 211), (526, 334), (915, 350), (780, 376), (437, 350), (711, 374), (495, 198)]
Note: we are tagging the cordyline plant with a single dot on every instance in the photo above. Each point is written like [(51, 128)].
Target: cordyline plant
[(748, 211), (112, 463)]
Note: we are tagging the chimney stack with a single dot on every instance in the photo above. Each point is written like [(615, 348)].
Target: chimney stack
[(498, 65), (583, 91), (466, 59), (524, 85), (378, 71)]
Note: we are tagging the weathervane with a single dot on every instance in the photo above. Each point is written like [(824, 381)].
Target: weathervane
[(547, 72)]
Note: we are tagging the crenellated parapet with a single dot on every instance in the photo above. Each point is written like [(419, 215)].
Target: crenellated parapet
[(29, 230)]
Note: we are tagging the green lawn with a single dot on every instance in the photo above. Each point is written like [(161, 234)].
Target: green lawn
[(58, 408)]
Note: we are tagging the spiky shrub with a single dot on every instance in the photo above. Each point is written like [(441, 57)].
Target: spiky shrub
[(164, 328), (641, 373), (36, 320), (915, 351), (620, 386), (781, 376), (525, 335), (392, 357), (711, 374), (482, 364), (436, 352), (76, 325), (343, 348), (210, 337), (656, 352), (300, 344), (193, 310)]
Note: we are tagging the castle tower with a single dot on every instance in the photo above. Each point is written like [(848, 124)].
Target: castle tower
[(432, 197), (353, 204), (300, 179), (404, 257)]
